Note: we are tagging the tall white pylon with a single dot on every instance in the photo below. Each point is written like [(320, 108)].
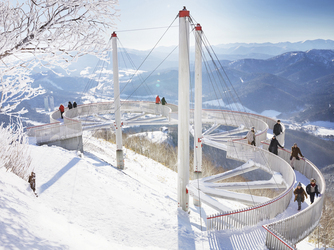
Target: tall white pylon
[(117, 103), (198, 107), (183, 111)]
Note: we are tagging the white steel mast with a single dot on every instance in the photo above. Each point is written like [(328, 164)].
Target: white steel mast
[(117, 103), (183, 113), (198, 107)]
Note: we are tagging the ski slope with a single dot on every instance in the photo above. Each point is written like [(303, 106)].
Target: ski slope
[(86, 203)]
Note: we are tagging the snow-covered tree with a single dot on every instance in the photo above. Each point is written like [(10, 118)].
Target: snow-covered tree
[(48, 34)]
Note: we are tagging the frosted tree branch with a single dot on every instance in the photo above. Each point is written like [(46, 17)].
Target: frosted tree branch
[(48, 33)]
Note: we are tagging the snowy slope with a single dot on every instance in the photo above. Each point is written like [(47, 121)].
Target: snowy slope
[(86, 203)]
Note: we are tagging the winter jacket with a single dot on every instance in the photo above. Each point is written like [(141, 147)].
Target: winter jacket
[(301, 192), (250, 137), (295, 151), (61, 108), (277, 129), (157, 100), (163, 101), (69, 105), (273, 147), (74, 104), (309, 191)]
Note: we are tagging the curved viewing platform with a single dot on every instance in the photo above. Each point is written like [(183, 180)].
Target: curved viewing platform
[(281, 232)]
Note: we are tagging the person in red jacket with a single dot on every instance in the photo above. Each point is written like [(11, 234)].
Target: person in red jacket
[(61, 109), (157, 100)]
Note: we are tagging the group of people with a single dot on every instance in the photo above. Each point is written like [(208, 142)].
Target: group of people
[(69, 105), (300, 193), (162, 101)]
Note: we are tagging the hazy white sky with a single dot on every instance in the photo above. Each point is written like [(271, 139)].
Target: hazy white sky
[(226, 21)]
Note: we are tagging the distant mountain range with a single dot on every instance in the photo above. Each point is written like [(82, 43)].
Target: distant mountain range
[(296, 79)]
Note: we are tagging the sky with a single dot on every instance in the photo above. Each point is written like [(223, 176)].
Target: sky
[(225, 21)]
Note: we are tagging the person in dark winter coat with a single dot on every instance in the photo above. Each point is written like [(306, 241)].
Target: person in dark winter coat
[(69, 105), (74, 104), (251, 137), (32, 181), (299, 193), (273, 147), (277, 128), (312, 190), (61, 109), (163, 101), (295, 151)]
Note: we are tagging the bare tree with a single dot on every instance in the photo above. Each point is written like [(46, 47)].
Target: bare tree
[(14, 149), (48, 34)]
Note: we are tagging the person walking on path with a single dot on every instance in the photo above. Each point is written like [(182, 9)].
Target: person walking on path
[(69, 105), (277, 128), (251, 137), (295, 151), (163, 101), (273, 147), (32, 181), (61, 109), (312, 190), (299, 193)]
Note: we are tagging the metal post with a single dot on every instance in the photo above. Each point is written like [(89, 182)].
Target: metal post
[(198, 108), (183, 113), (46, 103), (118, 123)]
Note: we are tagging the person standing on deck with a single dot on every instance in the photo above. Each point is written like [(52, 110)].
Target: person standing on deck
[(251, 137), (277, 130), (157, 100), (61, 110), (163, 101)]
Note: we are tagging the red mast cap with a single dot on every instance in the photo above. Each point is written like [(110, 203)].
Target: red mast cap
[(198, 27), (113, 34), (184, 12)]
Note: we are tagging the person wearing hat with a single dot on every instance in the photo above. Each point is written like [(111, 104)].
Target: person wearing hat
[(273, 147), (251, 137), (312, 190), (277, 128), (295, 151), (299, 193)]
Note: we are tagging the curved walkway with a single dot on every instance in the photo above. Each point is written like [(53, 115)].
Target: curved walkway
[(281, 234)]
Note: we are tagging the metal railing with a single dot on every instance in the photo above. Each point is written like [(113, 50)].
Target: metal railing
[(284, 234), (238, 219)]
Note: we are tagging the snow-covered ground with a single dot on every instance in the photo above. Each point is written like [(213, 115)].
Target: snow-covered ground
[(86, 203)]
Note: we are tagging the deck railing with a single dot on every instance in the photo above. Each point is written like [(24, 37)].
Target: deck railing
[(286, 233), (250, 216)]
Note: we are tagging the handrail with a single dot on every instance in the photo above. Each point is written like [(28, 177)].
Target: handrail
[(250, 216)]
